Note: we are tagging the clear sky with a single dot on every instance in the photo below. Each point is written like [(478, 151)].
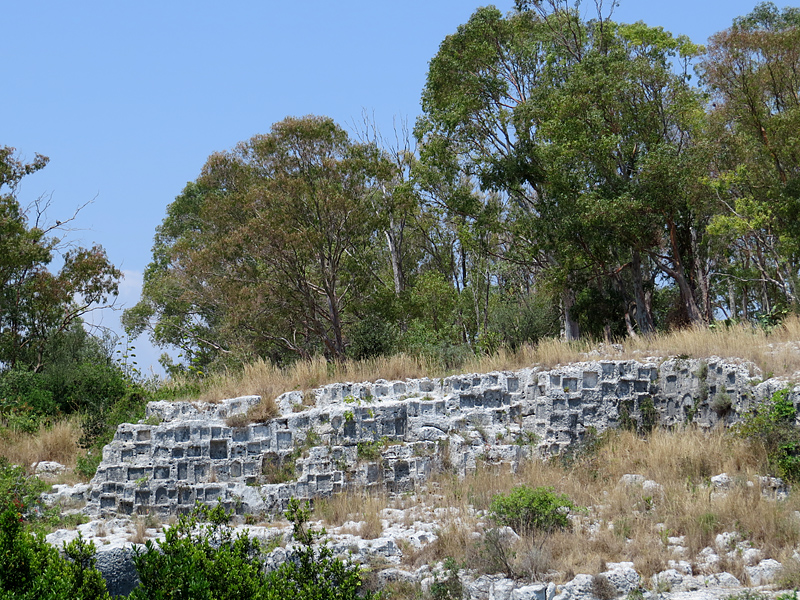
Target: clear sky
[(129, 99)]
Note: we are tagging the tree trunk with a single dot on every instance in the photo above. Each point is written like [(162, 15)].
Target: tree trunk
[(570, 330), (676, 272), (644, 318), (394, 257)]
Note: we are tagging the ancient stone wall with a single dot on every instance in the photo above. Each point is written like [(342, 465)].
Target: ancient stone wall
[(393, 435)]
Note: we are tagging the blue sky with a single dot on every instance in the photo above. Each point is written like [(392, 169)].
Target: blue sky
[(129, 99)]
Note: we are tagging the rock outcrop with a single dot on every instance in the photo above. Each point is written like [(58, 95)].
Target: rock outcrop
[(394, 434)]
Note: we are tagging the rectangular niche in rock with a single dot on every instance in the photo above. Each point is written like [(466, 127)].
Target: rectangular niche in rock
[(218, 449)]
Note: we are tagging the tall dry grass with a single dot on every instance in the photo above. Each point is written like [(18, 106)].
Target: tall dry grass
[(268, 380), (775, 353), (625, 522), (58, 442), (364, 509)]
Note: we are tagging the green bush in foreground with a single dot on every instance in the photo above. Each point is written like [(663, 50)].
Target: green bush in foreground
[(207, 562), (31, 569)]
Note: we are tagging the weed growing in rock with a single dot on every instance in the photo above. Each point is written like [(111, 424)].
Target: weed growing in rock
[(602, 588), (372, 450), (449, 585), (721, 404)]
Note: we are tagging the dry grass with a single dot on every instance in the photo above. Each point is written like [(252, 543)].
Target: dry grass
[(139, 535), (58, 443), (774, 353), (362, 508), (267, 380), (625, 522)]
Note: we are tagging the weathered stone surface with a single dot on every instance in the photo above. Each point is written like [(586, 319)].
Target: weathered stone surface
[(49, 469), (115, 562), (764, 572), (394, 434), (622, 576)]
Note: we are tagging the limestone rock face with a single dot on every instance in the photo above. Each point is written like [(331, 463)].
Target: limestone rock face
[(394, 434)]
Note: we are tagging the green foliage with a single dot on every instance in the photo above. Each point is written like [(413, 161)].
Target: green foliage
[(100, 424), (649, 415), (721, 404), (20, 492), (87, 463), (31, 569), (756, 173), (371, 450), (626, 419), (448, 587), (530, 511), (593, 169), (200, 558), (773, 426), (372, 336), (520, 319), (267, 253), (37, 304)]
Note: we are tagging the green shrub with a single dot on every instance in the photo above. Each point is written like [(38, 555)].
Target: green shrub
[(773, 426), (529, 511), (88, 463), (25, 403), (372, 336), (450, 586), (649, 415), (18, 491), (32, 569), (721, 404), (205, 562), (100, 423)]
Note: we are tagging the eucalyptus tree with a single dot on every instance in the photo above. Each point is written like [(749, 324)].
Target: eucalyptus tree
[(753, 71), (585, 129), (38, 304), (264, 254)]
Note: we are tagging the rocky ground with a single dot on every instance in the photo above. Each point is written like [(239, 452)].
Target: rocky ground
[(405, 533)]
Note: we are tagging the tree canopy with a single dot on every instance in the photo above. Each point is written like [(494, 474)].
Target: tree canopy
[(36, 304), (564, 168)]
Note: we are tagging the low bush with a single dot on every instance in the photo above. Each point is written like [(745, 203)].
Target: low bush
[(449, 586), (30, 568), (201, 559), (529, 511), (20, 492), (773, 427)]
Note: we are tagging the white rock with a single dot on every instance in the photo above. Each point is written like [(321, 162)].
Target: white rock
[(631, 480), (751, 556), (726, 540), (531, 592), (622, 576), (667, 580), (580, 586), (764, 572), (501, 589), (684, 567), (49, 469), (507, 535), (653, 488), (721, 482), (708, 558), (726, 580)]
